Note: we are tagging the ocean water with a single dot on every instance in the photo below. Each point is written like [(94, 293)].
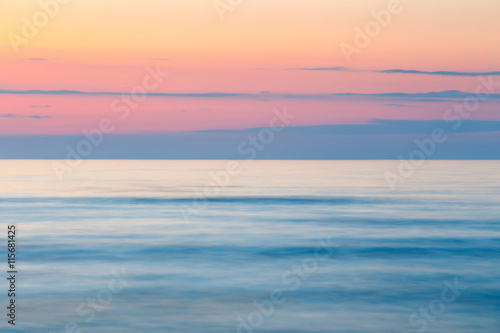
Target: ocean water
[(281, 246)]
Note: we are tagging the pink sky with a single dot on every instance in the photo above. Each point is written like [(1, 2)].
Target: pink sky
[(92, 46)]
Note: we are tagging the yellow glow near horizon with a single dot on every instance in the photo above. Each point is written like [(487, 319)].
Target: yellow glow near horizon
[(259, 31)]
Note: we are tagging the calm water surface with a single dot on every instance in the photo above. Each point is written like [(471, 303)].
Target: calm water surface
[(200, 265)]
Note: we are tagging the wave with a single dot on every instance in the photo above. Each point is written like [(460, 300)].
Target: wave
[(291, 200)]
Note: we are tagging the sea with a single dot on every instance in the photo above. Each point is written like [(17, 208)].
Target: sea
[(215, 246)]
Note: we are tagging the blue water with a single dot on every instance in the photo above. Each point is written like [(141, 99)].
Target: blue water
[(322, 246)]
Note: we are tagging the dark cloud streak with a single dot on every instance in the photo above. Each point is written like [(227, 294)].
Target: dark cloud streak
[(383, 127), (427, 96), (13, 115), (402, 71)]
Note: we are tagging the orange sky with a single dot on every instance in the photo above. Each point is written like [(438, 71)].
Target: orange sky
[(106, 45)]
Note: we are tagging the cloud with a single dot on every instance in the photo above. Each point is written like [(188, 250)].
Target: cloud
[(13, 115), (382, 127), (402, 71), (40, 106), (416, 97), (115, 93), (38, 59), (440, 73), (347, 141)]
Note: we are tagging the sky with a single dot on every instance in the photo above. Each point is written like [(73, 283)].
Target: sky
[(196, 78)]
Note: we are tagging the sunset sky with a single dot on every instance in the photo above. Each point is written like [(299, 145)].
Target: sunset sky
[(64, 65)]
